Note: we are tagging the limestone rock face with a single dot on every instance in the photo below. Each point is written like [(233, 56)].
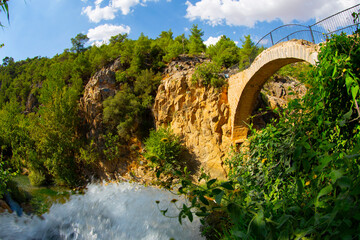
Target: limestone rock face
[(201, 115), (100, 86), (197, 113), (277, 91)]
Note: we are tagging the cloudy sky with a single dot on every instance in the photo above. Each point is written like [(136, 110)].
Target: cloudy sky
[(45, 27)]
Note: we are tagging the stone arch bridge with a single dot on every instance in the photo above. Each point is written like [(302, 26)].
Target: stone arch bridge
[(245, 86)]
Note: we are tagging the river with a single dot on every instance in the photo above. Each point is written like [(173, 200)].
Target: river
[(106, 211)]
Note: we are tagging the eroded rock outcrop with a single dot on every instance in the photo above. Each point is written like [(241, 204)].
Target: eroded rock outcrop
[(197, 113), (100, 86), (201, 114)]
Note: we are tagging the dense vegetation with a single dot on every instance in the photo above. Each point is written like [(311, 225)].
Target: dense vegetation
[(42, 130), (298, 178)]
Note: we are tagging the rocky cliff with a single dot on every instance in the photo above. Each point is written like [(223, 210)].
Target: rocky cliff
[(201, 114), (100, 86), (197, 113)]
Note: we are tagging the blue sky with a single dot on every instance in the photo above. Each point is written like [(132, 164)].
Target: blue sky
[(45, 27)]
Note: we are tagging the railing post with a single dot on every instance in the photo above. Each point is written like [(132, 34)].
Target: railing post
[(312, 35), (272, 41)]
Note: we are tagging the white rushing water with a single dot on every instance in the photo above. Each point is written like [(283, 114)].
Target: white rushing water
[(116, 211)]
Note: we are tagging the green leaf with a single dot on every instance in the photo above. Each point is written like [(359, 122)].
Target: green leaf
[(216, 191), (227, 185), (348, 82), (193, 201), (202, 214), (180, 216), (334, 72), (347, 115), (158, 173), (218, 197), (239, 234), (297, 152), (326, 190), (210, 182), (335, 175), (278, 205), (164, 211), (283, 219), (203, 200), (300, 186), (185, 183), (354, 91), (190, 215), (324, 162), (344, 182)]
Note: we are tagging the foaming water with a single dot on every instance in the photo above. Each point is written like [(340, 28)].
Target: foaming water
[(116, 211)]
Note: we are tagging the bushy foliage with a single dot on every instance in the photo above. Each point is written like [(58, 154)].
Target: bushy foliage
[(120, 112), (224, 53), (162, 150), (40, 127), (297, 70), (37, 178), (300, 178), (5, 176), (208, 74)]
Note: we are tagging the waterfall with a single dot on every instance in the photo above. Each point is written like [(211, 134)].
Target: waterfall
[(115, 211)]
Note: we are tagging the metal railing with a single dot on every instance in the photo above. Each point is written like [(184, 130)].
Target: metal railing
[(315, 33)]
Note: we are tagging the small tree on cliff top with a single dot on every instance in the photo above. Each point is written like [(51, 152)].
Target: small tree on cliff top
[(196, 45)]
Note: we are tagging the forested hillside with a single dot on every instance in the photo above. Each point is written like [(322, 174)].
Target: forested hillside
[(42, 129)]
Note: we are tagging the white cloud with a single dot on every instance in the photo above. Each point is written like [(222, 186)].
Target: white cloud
[(102, 33), (212, 40), (124, 5), (249, 12), (97, 13)]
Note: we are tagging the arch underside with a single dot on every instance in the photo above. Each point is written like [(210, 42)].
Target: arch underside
[(245, 86), (250, 93)]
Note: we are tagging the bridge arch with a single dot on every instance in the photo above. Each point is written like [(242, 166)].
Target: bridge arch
[(245, 86)]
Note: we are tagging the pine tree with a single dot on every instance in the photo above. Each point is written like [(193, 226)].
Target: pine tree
[(196, 45)]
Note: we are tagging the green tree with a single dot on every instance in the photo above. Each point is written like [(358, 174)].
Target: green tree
[(224, 52), (196, 45), (142, 48), (248, 52), (7, 61), (118, 38), (121, 112), (78, 43)]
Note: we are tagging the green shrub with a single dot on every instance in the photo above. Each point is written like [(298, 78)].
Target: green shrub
[(112, 150), (299, 179), (37, 178), (162, 150), (5, 176), (121, 77), (208, 73)]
